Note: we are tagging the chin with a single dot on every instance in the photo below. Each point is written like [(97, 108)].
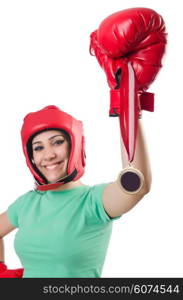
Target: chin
[(55, 179)]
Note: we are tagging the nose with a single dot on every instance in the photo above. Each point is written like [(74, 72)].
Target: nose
[(49, 154)]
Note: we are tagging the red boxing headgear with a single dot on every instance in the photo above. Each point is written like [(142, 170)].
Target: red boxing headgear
[(51, 117)]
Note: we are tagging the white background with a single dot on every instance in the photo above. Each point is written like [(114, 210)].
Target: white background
[(44, 59)]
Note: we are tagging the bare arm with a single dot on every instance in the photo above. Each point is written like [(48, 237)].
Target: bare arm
[(1, 250), (141, 158), (115, 201), (5, 228)]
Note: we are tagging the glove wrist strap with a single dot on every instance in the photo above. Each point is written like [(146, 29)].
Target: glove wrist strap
[(146, 102)]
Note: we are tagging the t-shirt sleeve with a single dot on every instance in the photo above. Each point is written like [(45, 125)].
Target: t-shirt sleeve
[(13, 211), (97, 203)]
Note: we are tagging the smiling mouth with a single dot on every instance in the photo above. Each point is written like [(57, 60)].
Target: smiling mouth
[(53, 166)]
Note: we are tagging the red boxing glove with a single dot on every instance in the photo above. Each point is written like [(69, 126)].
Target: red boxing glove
[(129, 46), (5, 273)]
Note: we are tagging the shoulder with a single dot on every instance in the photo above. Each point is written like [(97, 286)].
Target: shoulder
[(95, 191), (15, 209), (95, 202), (24, 197), (97, 188), (27, 195)]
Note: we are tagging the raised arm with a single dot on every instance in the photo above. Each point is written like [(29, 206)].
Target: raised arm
[(116, 202), (129, 46)]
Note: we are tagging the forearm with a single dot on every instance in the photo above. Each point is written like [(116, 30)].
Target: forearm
[(141, 158), (1, 250)]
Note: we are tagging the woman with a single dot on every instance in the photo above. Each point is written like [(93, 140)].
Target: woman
[(64, 225)]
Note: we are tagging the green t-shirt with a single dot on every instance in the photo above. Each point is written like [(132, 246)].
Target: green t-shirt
[(61, 233)]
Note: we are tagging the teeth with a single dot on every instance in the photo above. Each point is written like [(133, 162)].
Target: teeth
[(51, 167)]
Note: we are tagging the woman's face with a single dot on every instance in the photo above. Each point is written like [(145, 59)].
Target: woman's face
[(51, 154)]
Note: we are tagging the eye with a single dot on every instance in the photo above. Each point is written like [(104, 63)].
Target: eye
[(59, 142), (38, 148)]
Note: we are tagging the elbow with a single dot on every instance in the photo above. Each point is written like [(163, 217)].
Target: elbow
[(147, 187), (146, 190)]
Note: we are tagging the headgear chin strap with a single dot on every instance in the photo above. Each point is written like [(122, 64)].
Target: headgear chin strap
[(52, 118)]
